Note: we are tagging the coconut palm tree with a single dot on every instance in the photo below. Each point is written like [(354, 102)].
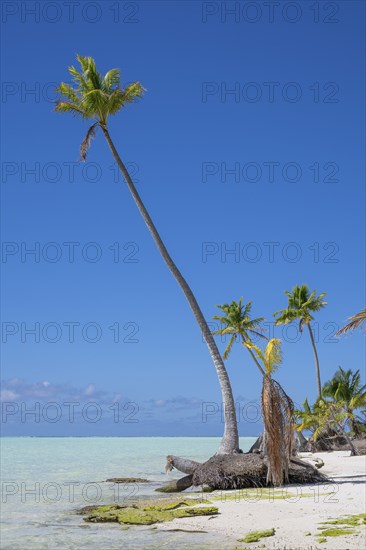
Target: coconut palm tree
[(96, 97), (238, 323), (346, 387), (277, 410), (323, 419), (358, 320), (301, 305)]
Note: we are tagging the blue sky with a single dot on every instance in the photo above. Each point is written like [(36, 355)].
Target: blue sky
[(250, 138)]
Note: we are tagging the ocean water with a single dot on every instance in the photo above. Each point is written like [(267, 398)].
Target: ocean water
[(45, 481)]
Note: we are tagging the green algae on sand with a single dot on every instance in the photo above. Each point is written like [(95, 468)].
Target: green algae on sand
[(147, 513), (342, 526), (255, 536)]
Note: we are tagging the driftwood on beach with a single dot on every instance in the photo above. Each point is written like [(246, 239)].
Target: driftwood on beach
[(237, 471)]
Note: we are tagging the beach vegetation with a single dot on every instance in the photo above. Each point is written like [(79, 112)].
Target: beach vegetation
[(255, 536), (145, 514)]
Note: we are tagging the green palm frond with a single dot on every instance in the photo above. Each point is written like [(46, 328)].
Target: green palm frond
[(226, 330), (94, 96), (237, 321), (346, 386), (79, 79), (73, 108), (133, 92), (111, 79), (300, 305), (228, 347)]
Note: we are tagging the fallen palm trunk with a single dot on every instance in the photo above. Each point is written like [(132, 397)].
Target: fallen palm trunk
[(249, 470), (177, 485), (182, 464), (246, 470)]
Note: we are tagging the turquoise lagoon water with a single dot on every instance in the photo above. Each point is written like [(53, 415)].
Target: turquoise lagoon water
[(44, 482)]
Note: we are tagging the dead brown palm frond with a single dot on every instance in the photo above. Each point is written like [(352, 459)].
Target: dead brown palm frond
[(277, 409), (86, 143), (356, 321)]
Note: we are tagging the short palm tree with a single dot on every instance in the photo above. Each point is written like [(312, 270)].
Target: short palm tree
[(358, 320), (237, 322), (324, 418), (346, 387), (278, 410), (301, 305), (95, 97)]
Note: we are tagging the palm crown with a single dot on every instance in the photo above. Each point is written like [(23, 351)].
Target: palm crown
[(94, 96), (301, 305), (237, 322), (346, 386)]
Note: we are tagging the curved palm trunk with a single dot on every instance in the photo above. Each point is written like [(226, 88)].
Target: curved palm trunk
[(255, 359), (230, 440), (316, 362)]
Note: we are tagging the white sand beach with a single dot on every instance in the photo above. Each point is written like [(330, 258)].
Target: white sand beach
[(296, 513)]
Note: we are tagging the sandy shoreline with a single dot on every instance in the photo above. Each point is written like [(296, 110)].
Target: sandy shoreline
[(296, 515)]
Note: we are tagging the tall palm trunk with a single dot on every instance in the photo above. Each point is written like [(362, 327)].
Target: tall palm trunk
[(317, 369), (230, 440)]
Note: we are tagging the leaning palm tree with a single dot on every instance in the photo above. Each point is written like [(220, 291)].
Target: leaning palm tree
[(238, 323), (95, 97), (346, 387), (358, 320), (301, 305), (278, 410)]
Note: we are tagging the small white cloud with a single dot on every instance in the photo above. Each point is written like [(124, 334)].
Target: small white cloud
[(89, 390), (8, 395)]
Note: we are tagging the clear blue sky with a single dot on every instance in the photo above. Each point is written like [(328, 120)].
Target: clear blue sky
[(292, 129)]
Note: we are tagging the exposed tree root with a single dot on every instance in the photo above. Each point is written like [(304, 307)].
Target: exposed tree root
[(239, 471)]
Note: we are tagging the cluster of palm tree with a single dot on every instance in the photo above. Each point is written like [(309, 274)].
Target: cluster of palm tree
[(277, 406), (340, 412), (237, 323), (95, 97)]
